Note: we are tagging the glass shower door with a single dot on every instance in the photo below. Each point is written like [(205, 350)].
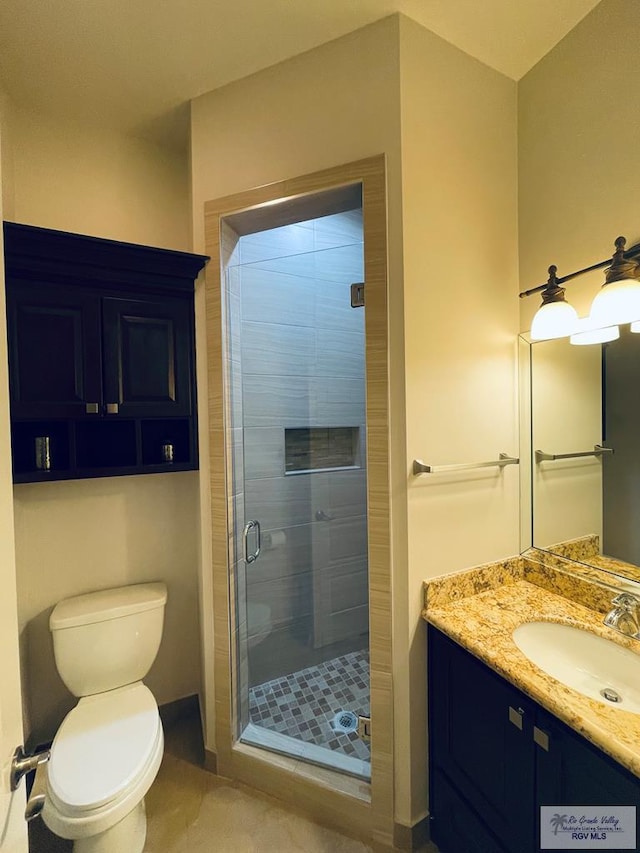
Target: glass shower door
[(299, 428)]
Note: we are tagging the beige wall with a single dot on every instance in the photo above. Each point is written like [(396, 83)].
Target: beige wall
[(459, 216), (447, 126), (13, 834), (74, 177), (578, 171), (77, 536), (333, 105), (7, 111), (578, 151)]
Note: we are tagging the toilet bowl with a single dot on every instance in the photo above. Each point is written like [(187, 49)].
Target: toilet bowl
[(108, 749)]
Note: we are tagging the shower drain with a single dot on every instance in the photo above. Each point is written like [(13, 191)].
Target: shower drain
[(344, 721)]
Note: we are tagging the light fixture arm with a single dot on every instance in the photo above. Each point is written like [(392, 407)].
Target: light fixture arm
[(629, 255)]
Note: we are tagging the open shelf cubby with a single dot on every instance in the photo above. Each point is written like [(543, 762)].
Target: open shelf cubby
[(25, 438), (166, 437), (106, 444)]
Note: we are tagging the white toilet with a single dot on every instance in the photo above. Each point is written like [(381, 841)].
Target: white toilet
[(108, 749)]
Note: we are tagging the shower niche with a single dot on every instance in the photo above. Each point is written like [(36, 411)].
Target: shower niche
[(320, 449)]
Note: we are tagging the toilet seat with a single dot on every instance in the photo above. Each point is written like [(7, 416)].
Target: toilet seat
[(111, 733), (118, 736)]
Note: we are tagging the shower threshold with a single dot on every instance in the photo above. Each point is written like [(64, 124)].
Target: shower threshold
[(258, 736)]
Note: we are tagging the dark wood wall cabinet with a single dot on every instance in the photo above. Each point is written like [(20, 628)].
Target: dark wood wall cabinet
[(495, 757), (101, 356)]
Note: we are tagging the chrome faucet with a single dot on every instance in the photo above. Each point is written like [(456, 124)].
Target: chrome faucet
[(625, 615)]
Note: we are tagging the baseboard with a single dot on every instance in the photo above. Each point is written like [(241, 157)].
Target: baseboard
[(170, 712), (411, 837)]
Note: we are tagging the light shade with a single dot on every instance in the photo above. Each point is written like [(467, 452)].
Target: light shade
[(617, 302), (635, 327), (587, 333), (554, 320)]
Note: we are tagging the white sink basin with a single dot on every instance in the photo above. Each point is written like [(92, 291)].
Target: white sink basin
[(583, 661)]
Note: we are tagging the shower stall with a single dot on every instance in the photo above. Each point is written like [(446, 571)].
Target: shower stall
[(296, 434)]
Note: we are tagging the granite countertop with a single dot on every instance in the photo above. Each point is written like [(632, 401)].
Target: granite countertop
[(586, 550), (480, 608)]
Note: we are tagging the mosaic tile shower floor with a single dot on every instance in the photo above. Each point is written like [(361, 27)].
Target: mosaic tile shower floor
[(303, 704)]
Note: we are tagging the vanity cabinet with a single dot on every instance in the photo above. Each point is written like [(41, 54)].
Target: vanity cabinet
[(101, 355), (495, 757)]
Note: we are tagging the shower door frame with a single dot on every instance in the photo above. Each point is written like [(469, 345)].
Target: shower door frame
[(344, 802)]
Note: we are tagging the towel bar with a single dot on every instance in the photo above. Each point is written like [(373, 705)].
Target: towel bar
[(598, 450), (419, 467)]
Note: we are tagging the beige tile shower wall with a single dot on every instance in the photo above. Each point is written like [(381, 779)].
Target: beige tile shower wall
[(78, 536), (303, 366)]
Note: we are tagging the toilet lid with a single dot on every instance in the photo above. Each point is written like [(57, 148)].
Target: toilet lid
[(102, 746)]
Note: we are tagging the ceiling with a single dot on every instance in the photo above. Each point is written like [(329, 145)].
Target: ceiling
[(134, 64)]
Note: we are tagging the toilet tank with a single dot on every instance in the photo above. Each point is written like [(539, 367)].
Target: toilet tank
[(109, 638)]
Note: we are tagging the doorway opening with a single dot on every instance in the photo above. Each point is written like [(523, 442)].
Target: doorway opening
[(295, 371), (353, 804)]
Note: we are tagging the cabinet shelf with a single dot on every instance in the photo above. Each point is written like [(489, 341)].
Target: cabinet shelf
[(101, 355), (102, 448)]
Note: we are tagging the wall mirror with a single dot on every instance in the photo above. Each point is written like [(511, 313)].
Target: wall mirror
[(581, 422)]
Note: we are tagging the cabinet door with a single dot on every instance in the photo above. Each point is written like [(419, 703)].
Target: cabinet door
[(147, 357), (54, 351), (480, 736), (572, 772)]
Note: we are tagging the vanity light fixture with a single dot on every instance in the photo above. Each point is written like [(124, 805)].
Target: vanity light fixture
[(555, 318), (587, 333), (617, 302)]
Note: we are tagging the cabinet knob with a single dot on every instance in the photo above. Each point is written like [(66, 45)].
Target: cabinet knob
[(92, 408), (112, 408), (515, 716)]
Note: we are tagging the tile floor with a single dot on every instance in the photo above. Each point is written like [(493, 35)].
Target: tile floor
[(192, 811), (303, 705)]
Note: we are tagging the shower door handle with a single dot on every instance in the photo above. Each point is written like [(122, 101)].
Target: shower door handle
[(249, 526)]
